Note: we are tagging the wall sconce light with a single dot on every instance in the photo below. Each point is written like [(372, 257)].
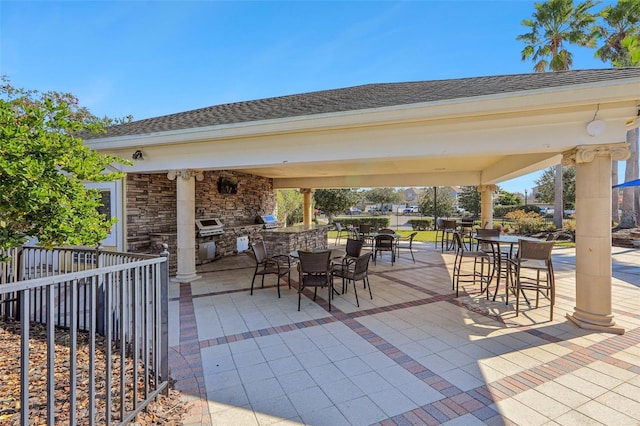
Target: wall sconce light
[(137, 155)]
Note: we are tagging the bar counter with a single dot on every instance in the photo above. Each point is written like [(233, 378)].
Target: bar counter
[(299, 237)]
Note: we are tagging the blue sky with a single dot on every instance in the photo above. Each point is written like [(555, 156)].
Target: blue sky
[(151, 58)]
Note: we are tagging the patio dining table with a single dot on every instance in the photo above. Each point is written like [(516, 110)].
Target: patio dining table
[(335, 253), (498, 243)]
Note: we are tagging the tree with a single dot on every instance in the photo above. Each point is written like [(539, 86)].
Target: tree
[(383, 196), (620, 35), (43, 167), (443, 206), (334, 201), (554, 24), (289, 206), (470, 200), (547, 184), (506, 198)]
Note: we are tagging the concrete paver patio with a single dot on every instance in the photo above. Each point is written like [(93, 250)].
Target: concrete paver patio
[(415, 354)]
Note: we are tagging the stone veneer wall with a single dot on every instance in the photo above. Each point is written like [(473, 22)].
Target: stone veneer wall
[(151, 211)]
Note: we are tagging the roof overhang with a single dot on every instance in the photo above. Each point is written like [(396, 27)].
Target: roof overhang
[(463, 141)]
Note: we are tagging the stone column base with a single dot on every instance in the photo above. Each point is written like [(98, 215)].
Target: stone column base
[(589, 326), (185, 278)]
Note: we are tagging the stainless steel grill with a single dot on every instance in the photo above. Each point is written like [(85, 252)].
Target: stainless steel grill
[(269, 221), (209, 226)]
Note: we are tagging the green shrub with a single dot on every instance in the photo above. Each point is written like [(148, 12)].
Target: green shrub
[(529, 222), (376, 222), (421, 224), (501, 211)]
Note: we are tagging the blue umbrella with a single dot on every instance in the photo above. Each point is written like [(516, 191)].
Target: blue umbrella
[(630, 183)]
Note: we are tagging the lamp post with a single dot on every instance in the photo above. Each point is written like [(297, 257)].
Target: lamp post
[(525, 197)]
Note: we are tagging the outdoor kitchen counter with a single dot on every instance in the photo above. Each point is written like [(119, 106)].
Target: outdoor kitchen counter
[(300, 237)]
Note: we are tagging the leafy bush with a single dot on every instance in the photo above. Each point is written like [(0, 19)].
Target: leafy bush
[(501, 211), (529, 222), (376, 222), (421, 224)]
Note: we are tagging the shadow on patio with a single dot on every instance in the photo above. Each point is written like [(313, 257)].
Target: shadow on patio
[(414, 354)]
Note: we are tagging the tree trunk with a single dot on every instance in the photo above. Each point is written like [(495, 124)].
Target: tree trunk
[(628, 219), (558, 208), (615, 217)]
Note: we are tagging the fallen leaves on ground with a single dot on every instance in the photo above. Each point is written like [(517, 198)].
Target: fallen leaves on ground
[(164, 410)]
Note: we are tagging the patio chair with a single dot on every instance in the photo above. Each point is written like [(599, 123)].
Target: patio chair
[(439, 232), (449, 228), (534, 259), (477, 257), (406, 243), (279, 265), (382, 243), (314, 270), (355, 270), (353, 250)]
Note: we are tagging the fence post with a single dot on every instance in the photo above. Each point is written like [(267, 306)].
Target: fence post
[(100, 313), (164, 316)]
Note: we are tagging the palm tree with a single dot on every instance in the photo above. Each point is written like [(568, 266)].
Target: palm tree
[(554, 25), (620, 32)]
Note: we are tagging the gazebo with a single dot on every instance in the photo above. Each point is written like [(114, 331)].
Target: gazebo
[(471, 131)]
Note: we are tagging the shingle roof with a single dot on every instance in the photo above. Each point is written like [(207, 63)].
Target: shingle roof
[(364, 97)]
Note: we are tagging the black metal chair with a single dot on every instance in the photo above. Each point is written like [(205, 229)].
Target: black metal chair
[(279, 265), (534, 257), (355, 270), (314, 270), (474, 276), (406, 243), (382, 243)]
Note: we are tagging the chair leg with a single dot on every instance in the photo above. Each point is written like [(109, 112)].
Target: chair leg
[(367, 284), (252, 281), (278, 286), (356, 293)]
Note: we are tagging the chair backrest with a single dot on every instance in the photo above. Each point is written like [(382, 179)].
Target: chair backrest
[(449, 224), (315, 262), (411, 237), (488, 232), (466, 220), (259, 251), (535, 250), (364, 228), (354, 247), (384, 241), (338, 226), (362, 264), (386, 231)]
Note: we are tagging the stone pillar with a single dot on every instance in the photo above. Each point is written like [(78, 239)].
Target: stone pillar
[(307, 209), (593, 234), (186, 223), (486, 206)]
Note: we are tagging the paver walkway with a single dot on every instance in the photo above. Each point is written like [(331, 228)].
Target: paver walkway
[(414, 354)]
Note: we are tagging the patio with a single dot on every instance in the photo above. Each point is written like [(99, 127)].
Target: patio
[(414, 354)]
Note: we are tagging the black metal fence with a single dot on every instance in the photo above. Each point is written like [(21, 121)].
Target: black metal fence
[(110, 313)]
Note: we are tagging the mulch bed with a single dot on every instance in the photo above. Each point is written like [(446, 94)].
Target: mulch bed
[(165, 410)]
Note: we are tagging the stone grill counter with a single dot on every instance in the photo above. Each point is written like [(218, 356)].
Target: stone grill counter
[(286, 240)]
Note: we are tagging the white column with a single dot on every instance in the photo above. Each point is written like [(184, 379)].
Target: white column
[(486, 205), (307, 212), (185, 220), (593, 234)]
